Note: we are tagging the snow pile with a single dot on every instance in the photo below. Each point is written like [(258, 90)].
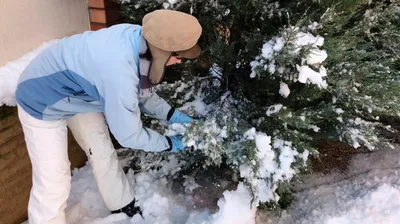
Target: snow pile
[(316, 56), (169, 3), (197, 105), (369, 209), (274, 109), (157, 201), (278, 54), (306, 74), (284, 89), (368, 194), (272, 169), (9, 74), (235, 207), (216, 71)]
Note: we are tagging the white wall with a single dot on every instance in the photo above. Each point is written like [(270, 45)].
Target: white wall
[(25, 24)]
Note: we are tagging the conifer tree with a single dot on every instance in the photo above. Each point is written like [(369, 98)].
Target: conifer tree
[(275, 77)]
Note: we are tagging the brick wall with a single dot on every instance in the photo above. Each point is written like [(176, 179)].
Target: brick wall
[(15, 167), (104, 13)]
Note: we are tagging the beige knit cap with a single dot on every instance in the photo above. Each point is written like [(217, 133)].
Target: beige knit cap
[(167, 32)]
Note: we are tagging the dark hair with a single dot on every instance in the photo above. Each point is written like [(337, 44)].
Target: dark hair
[(147, 55)]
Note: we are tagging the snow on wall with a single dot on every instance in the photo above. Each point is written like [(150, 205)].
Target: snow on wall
[(10, 73)]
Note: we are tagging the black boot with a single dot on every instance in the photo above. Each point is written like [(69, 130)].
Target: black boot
[(130, 210)]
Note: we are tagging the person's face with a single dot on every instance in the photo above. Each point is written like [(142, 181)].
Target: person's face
[(174, 60)]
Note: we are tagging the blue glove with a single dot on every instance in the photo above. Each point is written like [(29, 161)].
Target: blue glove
[(179, 117), (176, 143)]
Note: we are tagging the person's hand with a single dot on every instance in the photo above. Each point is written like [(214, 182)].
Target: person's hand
[(176, 143), (180, 118)]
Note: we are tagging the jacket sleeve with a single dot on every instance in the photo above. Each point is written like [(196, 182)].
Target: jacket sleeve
[(119, 90), (153, 105)]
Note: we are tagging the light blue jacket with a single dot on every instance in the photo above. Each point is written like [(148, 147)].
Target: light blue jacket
[(95, 72)]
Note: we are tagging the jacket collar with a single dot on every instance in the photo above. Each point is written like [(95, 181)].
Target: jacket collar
[(144, 66)]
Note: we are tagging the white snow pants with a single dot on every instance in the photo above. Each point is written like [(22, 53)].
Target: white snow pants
[(48, 150)]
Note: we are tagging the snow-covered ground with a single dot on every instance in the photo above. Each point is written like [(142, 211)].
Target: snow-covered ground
[(162, 200), (369, 193)]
